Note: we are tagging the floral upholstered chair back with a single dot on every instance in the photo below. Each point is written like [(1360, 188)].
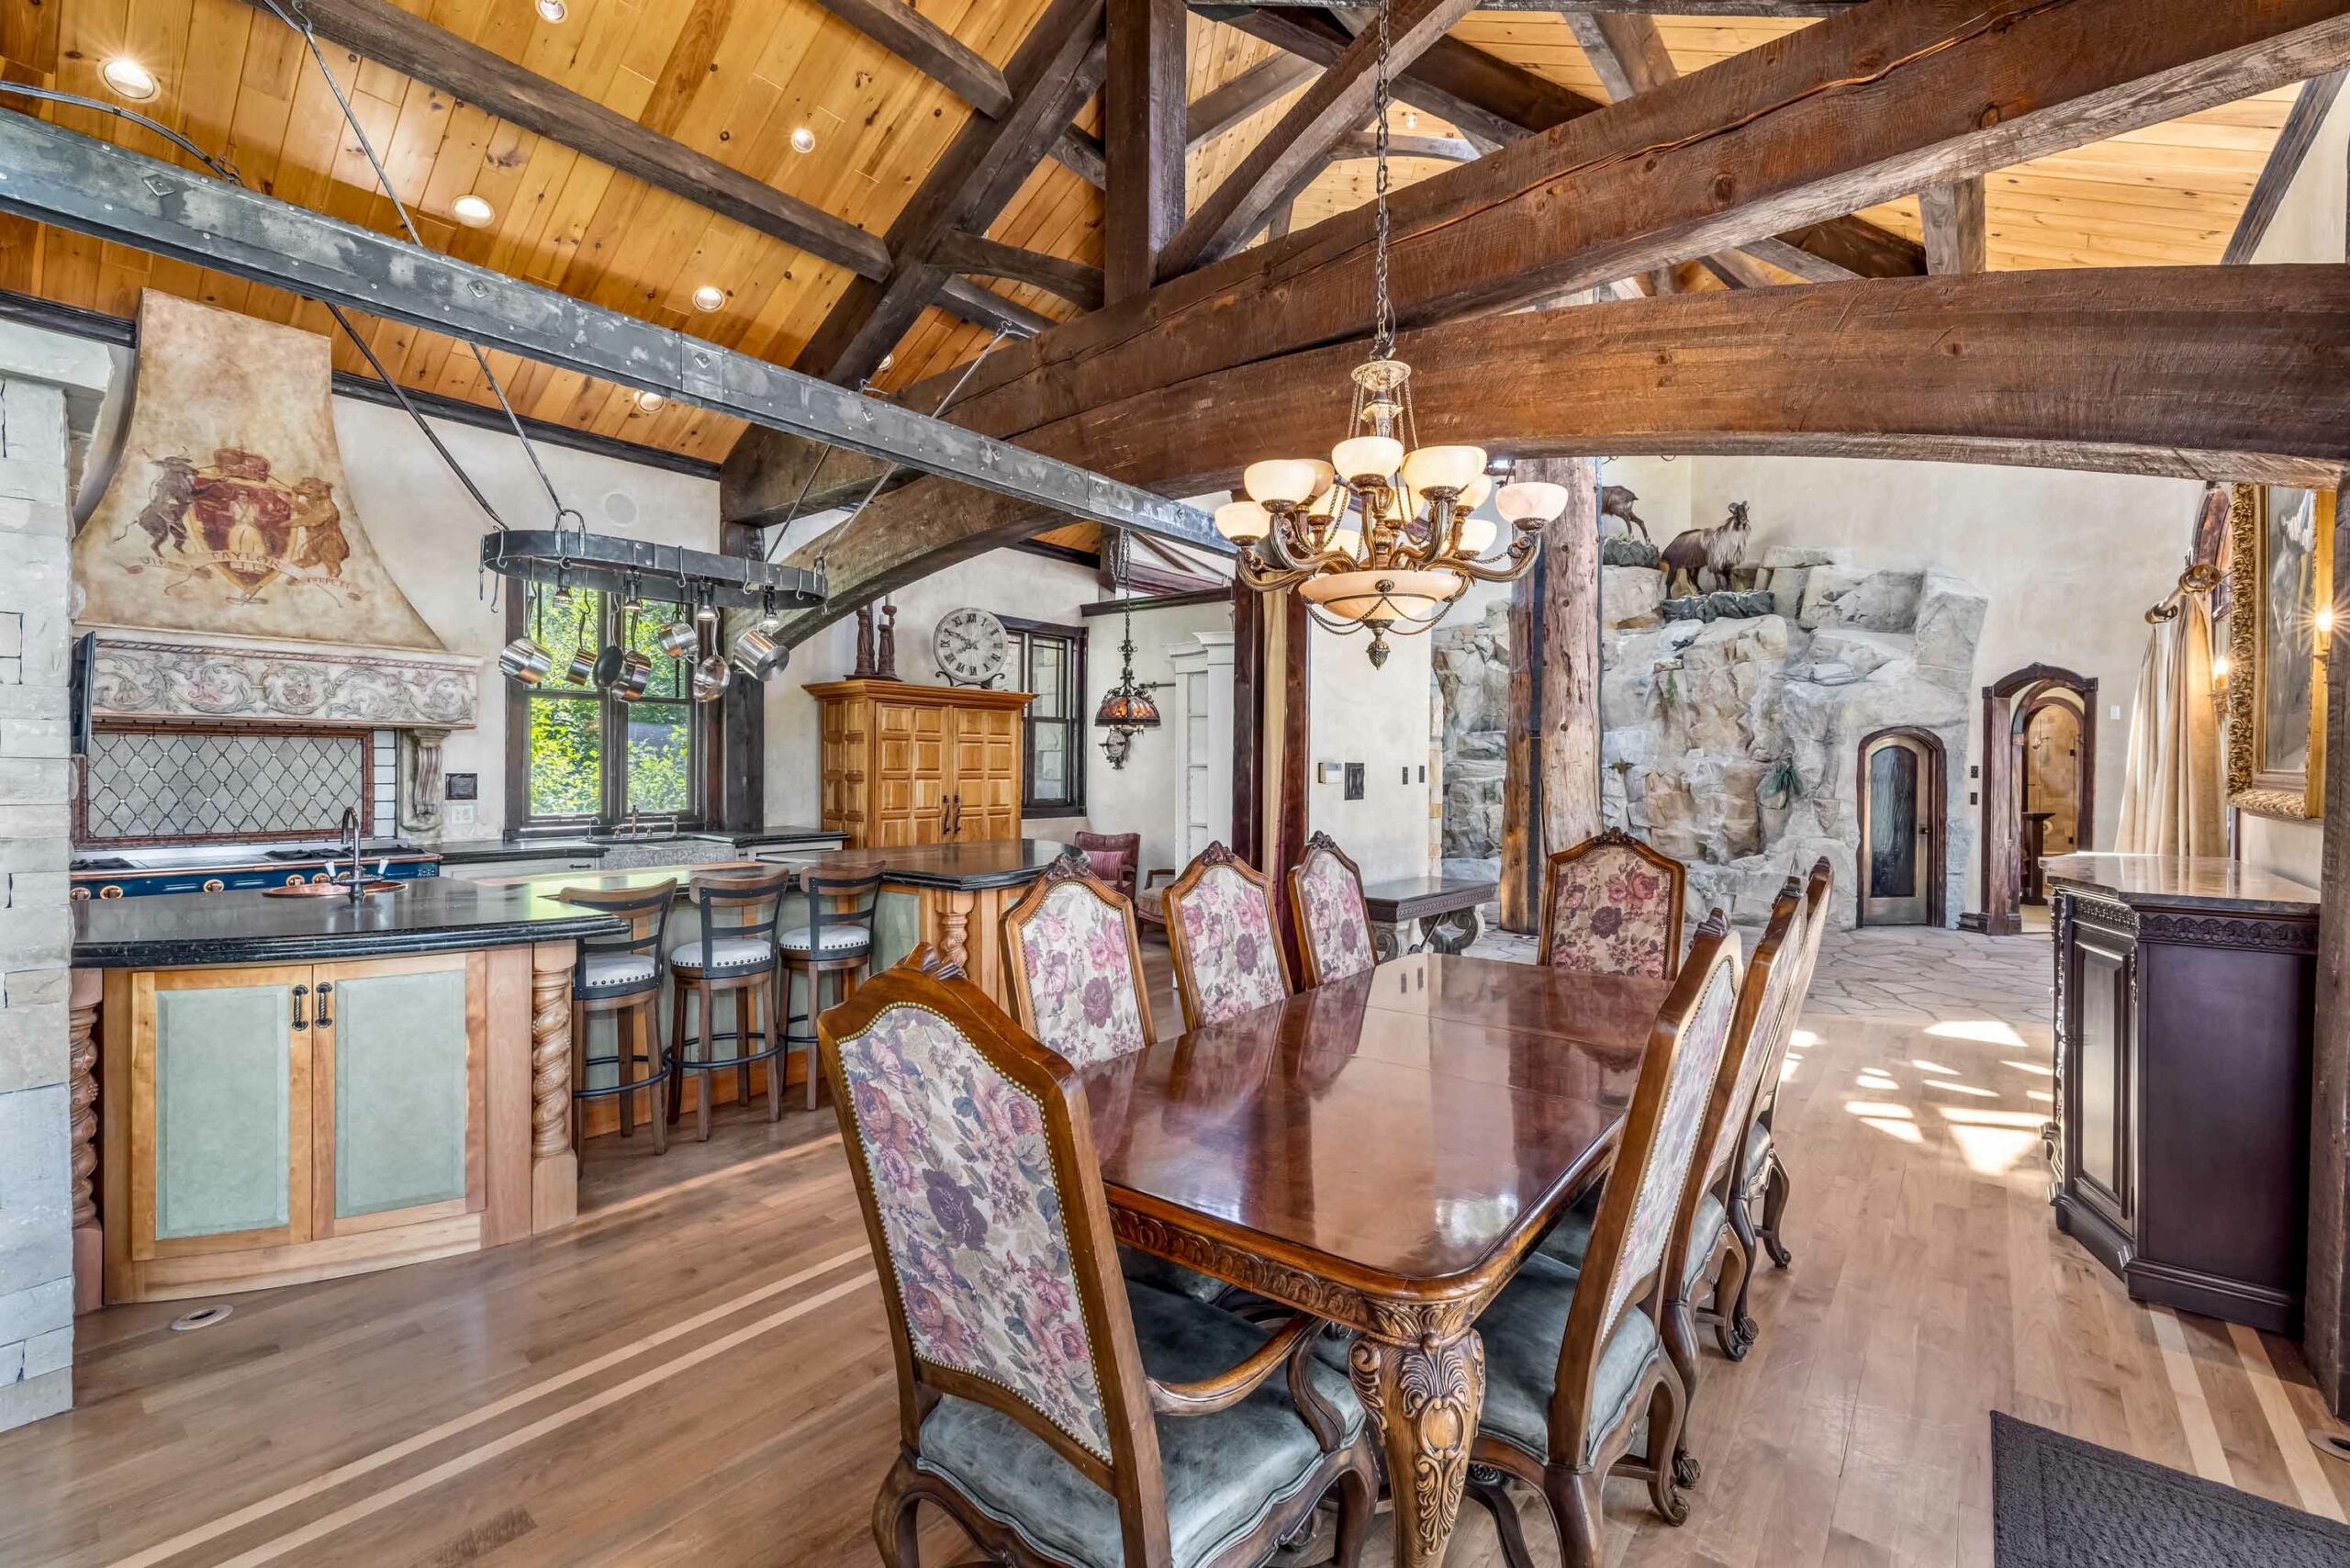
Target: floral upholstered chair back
[(1678, 1083), (1220, 926), (974, 1162), (1803, 947), (1612, 906), (1333, 926), (1076, 966)]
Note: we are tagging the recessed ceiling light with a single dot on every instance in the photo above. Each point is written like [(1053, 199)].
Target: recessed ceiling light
[(709, 297), (803, 140), (887, 361), (651, 402), (128, 78), (472, 211), (553, 10)]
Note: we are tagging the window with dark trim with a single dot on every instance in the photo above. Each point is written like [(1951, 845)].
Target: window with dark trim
[(1049, 661), (579, 756)]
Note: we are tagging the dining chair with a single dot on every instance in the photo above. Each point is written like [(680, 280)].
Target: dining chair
[(1576, 1371), (1612, 906), (1763, 1182), (1325, 902), (621, 975), (1074, 964), (1112, 856), (1220, 929), (1058, 1415)]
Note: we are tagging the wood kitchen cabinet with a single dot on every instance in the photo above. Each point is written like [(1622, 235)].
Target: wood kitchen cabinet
[(292, 1121), (906, 764)]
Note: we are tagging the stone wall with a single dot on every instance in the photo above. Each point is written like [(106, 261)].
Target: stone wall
[(1734, 744), (1472, 663), (38, 1183)]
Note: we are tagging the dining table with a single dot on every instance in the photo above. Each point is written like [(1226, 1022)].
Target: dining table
[(1382, 1152)]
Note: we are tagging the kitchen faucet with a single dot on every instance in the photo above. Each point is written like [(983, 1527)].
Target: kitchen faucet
[(351, 838)]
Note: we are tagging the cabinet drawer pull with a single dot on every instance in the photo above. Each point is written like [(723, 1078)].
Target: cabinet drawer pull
[(213, 884), (300, 992), (111, 890), (326, 989)]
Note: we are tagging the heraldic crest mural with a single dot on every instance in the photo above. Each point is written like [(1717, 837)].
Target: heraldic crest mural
[(229, 511)]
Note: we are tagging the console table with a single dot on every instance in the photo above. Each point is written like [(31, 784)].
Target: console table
[(2185, 991), (1443, 908)]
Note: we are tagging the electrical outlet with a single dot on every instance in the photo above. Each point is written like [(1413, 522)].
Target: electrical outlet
[(461, 814), (1354, 780), (1407, 774)]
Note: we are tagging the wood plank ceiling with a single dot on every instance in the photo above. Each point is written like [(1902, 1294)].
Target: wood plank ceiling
[(735, 79)]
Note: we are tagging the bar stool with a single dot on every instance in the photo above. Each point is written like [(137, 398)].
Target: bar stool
[(736, 953), (836, 941), (621, 975)]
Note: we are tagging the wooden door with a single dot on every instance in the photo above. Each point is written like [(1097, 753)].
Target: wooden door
[(399, 1085), (219, 1110), (909, 772), (986, 776)]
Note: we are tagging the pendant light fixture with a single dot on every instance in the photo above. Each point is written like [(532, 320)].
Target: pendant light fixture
[(1127, 708), (1381, 537)]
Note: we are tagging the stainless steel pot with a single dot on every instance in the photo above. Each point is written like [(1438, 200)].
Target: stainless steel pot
[(635, 675), (679, 638), (709, 680), (581, 670), (525, 661), (757, 654)]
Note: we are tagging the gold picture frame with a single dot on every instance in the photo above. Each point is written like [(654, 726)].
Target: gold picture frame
[(2276, 712)]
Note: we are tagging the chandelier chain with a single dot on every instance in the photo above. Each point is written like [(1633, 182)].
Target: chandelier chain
[(1382, 342)]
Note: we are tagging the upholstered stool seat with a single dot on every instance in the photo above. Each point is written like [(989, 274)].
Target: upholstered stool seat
[(1224, 1473), (724, 953), (620, 976), (614, 972), (1523, 1330), (837, 940)]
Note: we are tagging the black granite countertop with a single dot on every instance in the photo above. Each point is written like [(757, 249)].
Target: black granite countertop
[(435, 914), (2181, 881), (476, 851), (994, 863)]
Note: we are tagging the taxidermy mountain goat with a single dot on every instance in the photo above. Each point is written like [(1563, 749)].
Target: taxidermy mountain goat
[(1696, 552)]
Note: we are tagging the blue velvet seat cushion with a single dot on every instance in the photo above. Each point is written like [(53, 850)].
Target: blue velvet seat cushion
[(1160, 1273), (1523, 1330), (1758, 1155), (1570, 1240), (1224, 1472)]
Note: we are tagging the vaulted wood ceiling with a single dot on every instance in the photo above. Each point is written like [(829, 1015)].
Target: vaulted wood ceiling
[(733, 79)]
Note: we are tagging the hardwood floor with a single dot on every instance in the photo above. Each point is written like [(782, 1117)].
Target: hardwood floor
[(699, 1372)]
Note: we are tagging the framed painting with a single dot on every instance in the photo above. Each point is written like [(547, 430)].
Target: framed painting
[(2280, 601)]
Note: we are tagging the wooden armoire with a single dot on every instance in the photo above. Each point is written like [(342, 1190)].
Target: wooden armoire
[(906, 764)]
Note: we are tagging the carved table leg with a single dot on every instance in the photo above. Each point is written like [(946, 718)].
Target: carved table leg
[(554, 1165), (954, 930), (1423, 1400), (82, 1110)]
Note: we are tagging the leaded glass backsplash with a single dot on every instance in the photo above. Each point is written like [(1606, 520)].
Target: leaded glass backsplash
[(176, 784)]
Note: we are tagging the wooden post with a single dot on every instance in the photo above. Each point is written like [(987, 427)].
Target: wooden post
[(1272, 731), (1551, 780), (1142, 140), (738, 794), (81, 1130), (554, 1164), (2325, 1306)]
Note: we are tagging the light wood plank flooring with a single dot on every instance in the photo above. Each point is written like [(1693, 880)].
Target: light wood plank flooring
[(699, 1372)]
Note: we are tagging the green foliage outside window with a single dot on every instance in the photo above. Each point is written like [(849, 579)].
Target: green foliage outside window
[(569, 732)]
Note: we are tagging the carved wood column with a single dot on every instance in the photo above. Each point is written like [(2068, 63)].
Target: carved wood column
[(82, 1132), (2326, 1303), (1550, 779), (554, 1164)]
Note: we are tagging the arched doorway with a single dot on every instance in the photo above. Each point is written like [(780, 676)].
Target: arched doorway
[(1903, 792), (2039, 783)]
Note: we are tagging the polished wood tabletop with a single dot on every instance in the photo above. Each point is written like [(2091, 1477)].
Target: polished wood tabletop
[(1383, 1152), (1397, 1130)]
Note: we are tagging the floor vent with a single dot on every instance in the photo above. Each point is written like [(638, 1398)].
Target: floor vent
[(206, 1317)]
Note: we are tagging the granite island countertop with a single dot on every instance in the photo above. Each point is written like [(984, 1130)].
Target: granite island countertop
[(2182, 881), (435, 914), (989, 863)]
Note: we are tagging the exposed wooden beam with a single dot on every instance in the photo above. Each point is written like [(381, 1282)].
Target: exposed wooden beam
[(1957, 234), (1806, 265), (1625, 49), (1796, 8), (1055, 69), (1365, 144), (119, 197), (986, 308), (384, 33), (2229, 370), (2293, 144), (1081, 153), (1143, 130), (1220, 108), (1073, 281), (1736, 270), (1861, 108), (929, 48), (1338, 101)]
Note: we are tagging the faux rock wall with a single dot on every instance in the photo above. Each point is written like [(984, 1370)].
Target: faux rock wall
[(1472, 664)]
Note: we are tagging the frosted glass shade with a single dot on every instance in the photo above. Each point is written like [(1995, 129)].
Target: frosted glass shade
[(1477, 535), (1531, 500), (1348, 538), (1357, 596), (1367, 456), (1474, 495), (1243, 522), (1446, 468), (1284, 479)]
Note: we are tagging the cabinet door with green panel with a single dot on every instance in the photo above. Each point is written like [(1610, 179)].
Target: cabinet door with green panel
[(398, 1088), (220, 1109)]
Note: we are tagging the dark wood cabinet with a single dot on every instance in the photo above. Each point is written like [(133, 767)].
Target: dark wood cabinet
[(2184, 996)]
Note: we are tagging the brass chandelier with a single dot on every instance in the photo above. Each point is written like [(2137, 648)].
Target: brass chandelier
[(1381, 538)]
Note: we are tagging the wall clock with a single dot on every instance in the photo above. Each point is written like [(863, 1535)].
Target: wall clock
[(971, 645)]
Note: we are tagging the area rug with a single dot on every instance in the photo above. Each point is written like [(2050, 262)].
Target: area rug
[(2061, 1503)]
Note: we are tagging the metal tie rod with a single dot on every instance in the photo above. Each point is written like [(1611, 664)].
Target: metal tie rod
[(94, 187)]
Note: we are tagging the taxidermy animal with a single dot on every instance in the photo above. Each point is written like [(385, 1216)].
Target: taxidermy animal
[(1616, 501), (1699, 551)]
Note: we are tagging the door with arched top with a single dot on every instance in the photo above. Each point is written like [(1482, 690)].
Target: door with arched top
[(1901, 786)]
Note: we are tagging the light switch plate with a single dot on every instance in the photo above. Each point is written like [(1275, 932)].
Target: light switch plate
[(1330, 772), (461, 814)]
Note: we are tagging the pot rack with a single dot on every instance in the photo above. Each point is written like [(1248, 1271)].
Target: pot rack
[(560, 556)]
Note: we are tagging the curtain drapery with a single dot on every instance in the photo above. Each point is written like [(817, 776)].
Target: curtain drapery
[(2171, 799)]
